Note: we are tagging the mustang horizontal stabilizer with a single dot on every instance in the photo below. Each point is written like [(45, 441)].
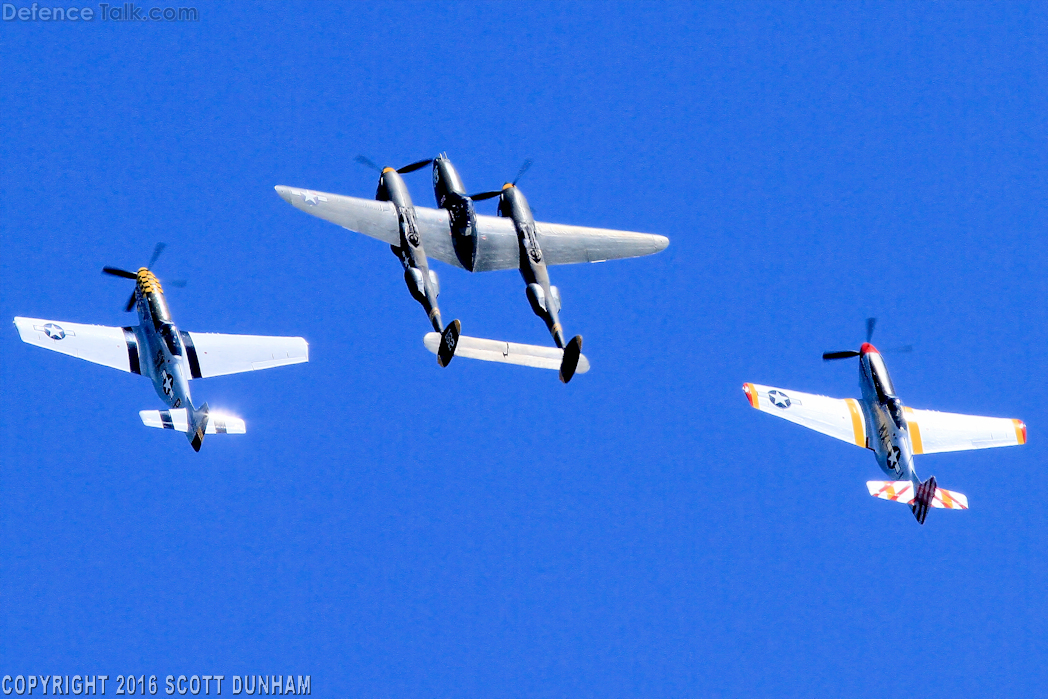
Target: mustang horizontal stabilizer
[(840, 418), (561, 244), (178, 420), (904, 492), (215, 354), (112, 347), (507, 352), (932, 431), (898, 491)]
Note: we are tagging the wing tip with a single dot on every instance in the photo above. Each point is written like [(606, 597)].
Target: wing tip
[(1020, 431), (751, 395), (284, 192)]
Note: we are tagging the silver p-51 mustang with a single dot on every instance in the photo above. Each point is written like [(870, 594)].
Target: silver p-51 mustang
[(879, 421), (169, 357)]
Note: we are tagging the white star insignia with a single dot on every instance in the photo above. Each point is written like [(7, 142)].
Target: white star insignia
[(779, 399), (311, 198)]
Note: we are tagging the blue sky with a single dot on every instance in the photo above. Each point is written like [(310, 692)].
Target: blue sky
[(394, 529)]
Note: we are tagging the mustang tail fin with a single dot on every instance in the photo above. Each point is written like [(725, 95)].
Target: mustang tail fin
[(920, 498), (199, 419), (195, 425)]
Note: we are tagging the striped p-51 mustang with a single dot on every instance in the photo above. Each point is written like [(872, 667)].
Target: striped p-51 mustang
[(879, 421), (169, 357)]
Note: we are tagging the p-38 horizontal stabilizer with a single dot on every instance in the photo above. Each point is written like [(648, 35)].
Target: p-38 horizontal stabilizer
[(178, 420), (507, 352)]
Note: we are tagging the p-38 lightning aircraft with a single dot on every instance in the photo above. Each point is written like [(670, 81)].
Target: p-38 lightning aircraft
[(456, 235), (879, 421), (169, 357)]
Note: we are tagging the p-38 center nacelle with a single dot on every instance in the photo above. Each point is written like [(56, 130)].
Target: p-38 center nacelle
[(451, 196)]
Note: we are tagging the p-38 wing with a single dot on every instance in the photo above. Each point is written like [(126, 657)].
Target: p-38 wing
[(208, 354), (930, 431), (561, 244)]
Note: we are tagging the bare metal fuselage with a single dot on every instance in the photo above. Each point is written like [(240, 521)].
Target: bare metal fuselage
[(163, 356), (887, 433)]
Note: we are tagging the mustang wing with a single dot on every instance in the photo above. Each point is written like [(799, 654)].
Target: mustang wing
[(215, 354), (838, 418), (932, 431), (112, 347), (497, 249)]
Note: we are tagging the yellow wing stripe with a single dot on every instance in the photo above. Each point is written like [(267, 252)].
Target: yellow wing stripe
[(915, 432), (858, 425)]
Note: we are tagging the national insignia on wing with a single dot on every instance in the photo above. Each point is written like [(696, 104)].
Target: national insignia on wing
[(779, 399)]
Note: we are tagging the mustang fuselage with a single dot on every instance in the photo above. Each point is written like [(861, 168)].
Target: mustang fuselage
[(157, 349), (888, 434)]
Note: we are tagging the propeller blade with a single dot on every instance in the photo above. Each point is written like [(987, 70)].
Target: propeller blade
[(523, 169), (177, 283), (902, 349), (484, 195), (130, 302), (156, 254), (871, 323), (414, 166), (117, 272), (846, 354), (367, 163)]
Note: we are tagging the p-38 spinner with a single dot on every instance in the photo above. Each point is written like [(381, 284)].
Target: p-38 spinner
[(894, 432), (169, 357), (456, 235)]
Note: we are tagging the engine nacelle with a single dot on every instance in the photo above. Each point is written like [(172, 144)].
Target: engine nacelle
[(416, 284), (434, 283), (451, 196), (555, 293), (463, 221), (537, 299)]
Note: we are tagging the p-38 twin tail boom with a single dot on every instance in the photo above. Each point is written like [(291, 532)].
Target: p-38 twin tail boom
[(456, 235), (169, 357), (894, 432)]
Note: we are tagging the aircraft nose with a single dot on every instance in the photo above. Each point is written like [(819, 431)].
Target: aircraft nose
[(867, 348)]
